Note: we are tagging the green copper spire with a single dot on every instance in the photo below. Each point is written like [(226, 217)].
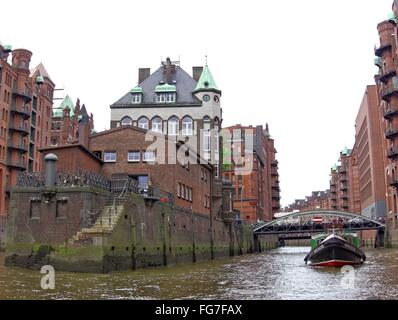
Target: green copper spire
[(206, 81), (67, 102), (392, 17), (334, 168), (345, 151)]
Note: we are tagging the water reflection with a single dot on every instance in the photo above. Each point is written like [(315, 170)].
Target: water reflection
[(279, 274)]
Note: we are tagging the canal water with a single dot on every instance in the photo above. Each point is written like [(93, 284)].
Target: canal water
[(279, 274)]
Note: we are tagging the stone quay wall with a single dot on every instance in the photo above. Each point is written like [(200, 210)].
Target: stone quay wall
[(148, 233)]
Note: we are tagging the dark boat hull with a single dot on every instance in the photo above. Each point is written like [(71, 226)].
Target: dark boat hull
[(335, 253)]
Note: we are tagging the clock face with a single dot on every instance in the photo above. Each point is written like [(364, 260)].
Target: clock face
[(206, 98)]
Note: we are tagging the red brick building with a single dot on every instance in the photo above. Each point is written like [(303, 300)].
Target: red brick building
[(25, 117), (124, 151), (344, 183), (65, 122), (318, 200), (250, 165)]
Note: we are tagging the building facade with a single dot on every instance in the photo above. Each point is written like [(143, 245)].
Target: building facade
[(252, 169), (26, 99), (344, 183), (65, 122), (184, 108), (371, 157), (125, 151)]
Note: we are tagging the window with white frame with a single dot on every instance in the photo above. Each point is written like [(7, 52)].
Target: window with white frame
[(137, 98), (166, 97), (110, 156), (149, 156), (173, 126), (134, 156), (178, 189), (187, 126), (157, 125), (143, 123), (127, 121), (206, 138)]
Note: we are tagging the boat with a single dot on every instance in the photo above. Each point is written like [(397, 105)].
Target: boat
[(335, 250)]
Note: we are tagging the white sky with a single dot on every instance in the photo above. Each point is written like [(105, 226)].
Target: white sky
[(301, 66)]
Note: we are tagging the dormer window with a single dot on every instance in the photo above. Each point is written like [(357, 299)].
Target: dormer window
[(166, 93), (166, 98), (136, 93), (137, 98)]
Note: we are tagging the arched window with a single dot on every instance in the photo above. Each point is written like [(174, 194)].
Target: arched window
[(143, 123), (157, 125), (187, 126), (127, 121), (173, 126)]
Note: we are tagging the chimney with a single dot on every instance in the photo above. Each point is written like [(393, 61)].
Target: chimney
[(84, 134), (196, 73), (169, 69), (143, 73)]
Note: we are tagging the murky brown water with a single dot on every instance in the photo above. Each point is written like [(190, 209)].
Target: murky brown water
[(280, 274)]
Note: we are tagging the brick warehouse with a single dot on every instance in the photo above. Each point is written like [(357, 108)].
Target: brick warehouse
[(124, 151), (25, 117), (65, 121), (257, 191), (387, 89)]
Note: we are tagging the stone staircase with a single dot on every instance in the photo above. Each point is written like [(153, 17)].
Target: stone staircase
[(104, 225)]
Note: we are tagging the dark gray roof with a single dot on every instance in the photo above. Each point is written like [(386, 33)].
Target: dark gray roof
[(185, 86)]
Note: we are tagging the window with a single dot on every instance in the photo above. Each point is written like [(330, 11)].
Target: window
[(216, 173), (206, 138), (143, 123), (166, 98), (157, 125), (173, 126), (134, 156), (187, 126), (149, 156), (110, 156), (190, 194), (178, 189), (182, 191), (136, 98), (127, 121)]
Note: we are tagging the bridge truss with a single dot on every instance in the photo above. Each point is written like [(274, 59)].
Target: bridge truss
[(319, 221)]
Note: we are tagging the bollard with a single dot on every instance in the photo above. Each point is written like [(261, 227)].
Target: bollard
[(51, 169)]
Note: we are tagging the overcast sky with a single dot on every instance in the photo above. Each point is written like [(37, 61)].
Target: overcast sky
[(301, 66)]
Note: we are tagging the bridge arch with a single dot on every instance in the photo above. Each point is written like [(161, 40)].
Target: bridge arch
[(303, 222)]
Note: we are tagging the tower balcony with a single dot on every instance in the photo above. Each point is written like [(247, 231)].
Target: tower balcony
[(344, 187), (392, 153), (344, 196), (390, 133), (388, 91), (389, 73), (19, 129), (390, 112), (343, 178), (381, 48), (24, 112), (25, 94), (20, 147), (274, 163), (394, 182)]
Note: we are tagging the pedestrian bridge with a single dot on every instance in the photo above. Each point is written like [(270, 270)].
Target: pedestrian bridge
[(309, 222)]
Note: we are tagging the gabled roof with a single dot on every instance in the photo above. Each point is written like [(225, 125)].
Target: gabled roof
[(42, 71), (184, 83)]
